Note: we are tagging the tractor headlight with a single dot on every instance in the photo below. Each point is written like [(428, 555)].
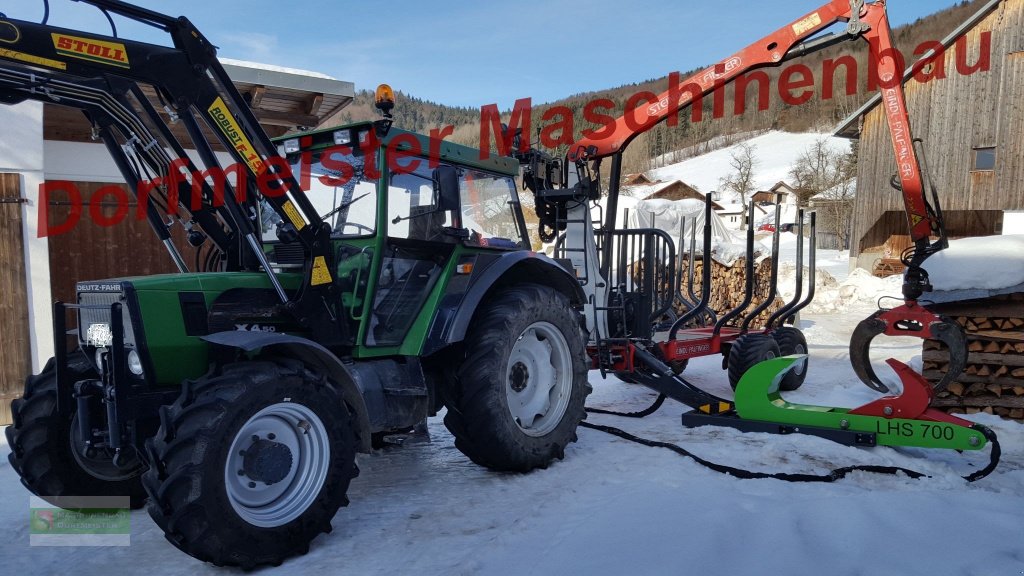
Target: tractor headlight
[(99, 335), (134, 363)]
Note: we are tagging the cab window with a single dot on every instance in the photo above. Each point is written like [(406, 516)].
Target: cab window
[(412, 212), (489, 209), (340, 192)]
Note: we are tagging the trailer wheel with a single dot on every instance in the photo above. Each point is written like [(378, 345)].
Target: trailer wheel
[(791, 341), (748, 351), (42, 445), (518, 396), (251, 464)]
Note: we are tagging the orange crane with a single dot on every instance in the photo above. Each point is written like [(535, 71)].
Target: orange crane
[(864, 20)]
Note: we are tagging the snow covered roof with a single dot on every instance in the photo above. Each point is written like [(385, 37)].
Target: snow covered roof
[(731, 209), (289, 96), (977, 268)]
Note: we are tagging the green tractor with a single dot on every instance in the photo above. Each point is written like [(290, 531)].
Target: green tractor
[(362, 279)]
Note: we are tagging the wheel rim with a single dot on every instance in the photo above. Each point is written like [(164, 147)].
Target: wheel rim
[(277, 464), (102, 468), (800, 365), (538, 379)]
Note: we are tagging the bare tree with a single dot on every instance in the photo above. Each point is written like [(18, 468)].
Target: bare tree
[(829, 177), (818, 169), (744, 164)]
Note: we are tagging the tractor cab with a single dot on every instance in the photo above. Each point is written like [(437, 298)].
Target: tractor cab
[(406, 216)]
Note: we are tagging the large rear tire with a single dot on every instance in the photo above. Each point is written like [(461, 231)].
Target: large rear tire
[(519, 394), (42, 451), (792, 341), (251, 463), (748, 351)]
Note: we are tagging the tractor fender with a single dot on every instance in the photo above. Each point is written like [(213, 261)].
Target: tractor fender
[(310, 353), (457, 307)]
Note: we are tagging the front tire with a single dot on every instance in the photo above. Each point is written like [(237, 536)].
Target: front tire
[(519, 394), (251, 464), (42, 451)]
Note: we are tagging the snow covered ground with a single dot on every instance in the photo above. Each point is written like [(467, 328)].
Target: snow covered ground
[(616, 508), (777, 152)]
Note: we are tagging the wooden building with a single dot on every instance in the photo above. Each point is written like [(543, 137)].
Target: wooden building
[(971, 123)]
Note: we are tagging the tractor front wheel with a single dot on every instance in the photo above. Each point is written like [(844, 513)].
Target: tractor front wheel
[(519, 394), (251, 463), (46, 450)]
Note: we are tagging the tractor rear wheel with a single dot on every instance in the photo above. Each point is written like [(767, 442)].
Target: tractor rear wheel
[(519, 394), (43, 445), (251, 463), (791, 341), (748, 351)]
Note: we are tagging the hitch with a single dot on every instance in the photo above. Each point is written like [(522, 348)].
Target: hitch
[(910, 319)]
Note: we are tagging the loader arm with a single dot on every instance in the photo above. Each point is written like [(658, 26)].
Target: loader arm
[(103, 76)]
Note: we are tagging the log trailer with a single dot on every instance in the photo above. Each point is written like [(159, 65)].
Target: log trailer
[(341, 293)]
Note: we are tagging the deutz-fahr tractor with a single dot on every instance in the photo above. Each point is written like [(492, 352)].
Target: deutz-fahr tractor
[(395, 280)]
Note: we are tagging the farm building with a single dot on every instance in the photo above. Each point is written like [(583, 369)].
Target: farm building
[(971, 121), (47, 143)]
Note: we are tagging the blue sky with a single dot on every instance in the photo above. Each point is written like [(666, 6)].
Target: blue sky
[(473, 53)]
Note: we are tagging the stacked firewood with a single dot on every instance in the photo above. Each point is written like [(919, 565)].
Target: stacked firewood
[(727, 287), (994, 379)]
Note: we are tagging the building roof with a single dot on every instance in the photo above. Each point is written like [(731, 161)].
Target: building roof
[(851, 126), (636, 180), (282, 99), (287, 96), (675, 190)]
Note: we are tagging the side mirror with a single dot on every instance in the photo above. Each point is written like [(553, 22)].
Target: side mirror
[(446, 188)]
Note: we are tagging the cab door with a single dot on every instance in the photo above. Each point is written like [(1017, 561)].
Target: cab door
[(421, 237)]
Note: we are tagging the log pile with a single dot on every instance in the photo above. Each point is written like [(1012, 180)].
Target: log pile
[(727, 286), (993, 381)]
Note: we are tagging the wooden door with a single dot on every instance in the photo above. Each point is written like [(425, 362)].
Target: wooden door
[(15, 349)]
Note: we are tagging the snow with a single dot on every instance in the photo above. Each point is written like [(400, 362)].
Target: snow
[(613, 507), (273, 68), (777, 153), (983, 263)]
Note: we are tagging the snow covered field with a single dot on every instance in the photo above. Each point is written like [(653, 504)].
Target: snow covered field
[(617, 508), (777, 152)]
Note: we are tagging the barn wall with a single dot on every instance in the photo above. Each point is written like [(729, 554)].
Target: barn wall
[(954, 116)]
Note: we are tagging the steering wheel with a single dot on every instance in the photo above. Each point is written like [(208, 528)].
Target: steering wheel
[(357, 226)]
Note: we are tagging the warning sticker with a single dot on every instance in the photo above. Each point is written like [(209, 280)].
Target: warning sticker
[(809, 23), (293, 215), (915, 220), (321, 274)]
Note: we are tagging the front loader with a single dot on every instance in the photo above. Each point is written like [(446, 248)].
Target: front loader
[(348, 283)]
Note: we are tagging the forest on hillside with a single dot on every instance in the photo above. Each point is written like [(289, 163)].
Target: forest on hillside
[(663, 143)]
